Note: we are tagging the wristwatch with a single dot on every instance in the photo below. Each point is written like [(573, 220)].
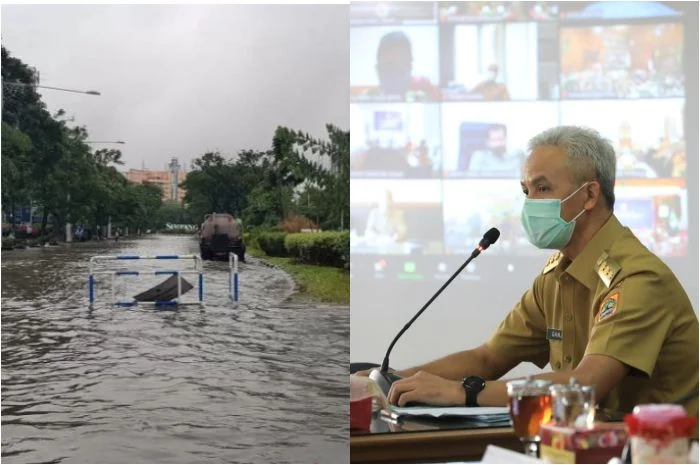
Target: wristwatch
[(472, 385)]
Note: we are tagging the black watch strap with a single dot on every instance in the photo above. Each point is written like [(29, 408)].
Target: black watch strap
[(473, 385)]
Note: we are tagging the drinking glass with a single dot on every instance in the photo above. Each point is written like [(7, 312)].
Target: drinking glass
[(530, 406), (573, 404)]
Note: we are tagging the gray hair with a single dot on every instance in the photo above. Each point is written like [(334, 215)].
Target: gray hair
[(588, 154)]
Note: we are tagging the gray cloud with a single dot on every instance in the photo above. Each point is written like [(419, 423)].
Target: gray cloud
[(178, 80)]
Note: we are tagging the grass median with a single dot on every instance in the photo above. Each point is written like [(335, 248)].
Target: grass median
[(317, 283)]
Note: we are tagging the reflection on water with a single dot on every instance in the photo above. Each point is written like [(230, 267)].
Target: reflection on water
[(263, 382)]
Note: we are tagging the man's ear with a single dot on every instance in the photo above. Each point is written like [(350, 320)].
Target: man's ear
[(593, 194)]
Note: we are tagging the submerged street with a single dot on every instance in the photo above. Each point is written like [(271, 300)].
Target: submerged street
[(261, 382)]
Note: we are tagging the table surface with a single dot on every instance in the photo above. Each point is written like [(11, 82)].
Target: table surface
[(428, 440)]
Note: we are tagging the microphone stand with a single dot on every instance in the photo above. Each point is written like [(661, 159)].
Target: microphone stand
[(383, 377)]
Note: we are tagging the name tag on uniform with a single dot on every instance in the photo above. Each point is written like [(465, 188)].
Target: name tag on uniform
[(554, 334)]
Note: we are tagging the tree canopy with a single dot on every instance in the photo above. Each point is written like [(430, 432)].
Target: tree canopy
[(298, 175), (48, 163)]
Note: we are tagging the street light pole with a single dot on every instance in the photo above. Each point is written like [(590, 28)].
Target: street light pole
[(24, 84)]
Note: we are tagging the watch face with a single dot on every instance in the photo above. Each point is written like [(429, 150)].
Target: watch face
[(474, 383)]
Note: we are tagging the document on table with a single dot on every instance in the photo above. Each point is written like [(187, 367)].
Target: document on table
[(495, 414)]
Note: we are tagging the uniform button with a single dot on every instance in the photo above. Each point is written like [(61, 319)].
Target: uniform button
[(568, 359), (557, 365), (569, 317)]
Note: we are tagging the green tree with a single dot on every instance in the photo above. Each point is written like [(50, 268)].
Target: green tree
[(49, 163), (214, 185), (174, 213), (264, 187), (328, 177), (24, 111), (16, 166), (142, 210)]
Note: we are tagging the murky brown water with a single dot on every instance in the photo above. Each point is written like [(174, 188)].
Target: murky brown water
[(264, 382)]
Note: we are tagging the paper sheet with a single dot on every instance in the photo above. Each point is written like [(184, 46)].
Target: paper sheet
[(362, 386), (482, 413)]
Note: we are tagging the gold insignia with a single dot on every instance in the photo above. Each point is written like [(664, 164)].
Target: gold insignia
[(552, 262), (606, 268), (601, 259)]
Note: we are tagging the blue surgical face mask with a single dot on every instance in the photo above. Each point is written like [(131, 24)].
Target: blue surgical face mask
[(544, 225)]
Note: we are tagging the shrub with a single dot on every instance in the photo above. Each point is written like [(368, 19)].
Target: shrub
[(249, 240), (272, 243), (331, 248)]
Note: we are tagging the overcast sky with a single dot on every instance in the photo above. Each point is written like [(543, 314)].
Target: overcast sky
[(180, 80)]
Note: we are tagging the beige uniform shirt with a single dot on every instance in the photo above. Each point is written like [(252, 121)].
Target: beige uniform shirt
[(616, 299)]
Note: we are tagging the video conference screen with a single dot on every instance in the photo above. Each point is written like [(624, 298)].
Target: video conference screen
[(445, 96)]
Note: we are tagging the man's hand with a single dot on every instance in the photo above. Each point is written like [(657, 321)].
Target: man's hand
[(364, 372), (428, 389)]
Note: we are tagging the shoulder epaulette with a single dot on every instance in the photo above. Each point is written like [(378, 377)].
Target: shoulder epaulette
[(606, 268), (552, 262)]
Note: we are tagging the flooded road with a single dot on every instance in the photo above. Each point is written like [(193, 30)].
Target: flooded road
[(263, 382)]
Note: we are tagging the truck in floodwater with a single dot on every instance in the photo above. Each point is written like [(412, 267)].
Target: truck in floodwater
[(219, 235)]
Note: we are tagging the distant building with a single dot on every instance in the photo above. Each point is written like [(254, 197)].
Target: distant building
[(167, 180)]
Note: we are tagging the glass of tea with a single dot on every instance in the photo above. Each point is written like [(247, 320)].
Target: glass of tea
[(530, 406)]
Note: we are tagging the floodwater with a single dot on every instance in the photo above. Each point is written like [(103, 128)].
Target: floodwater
[(263, 381)]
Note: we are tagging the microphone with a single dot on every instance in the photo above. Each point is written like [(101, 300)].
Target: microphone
[(383, 377)]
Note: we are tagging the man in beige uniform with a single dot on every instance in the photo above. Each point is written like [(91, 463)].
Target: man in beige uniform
[(615, 299), (604, 309)]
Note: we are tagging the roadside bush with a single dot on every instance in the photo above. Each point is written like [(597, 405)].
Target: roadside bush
[(272, 243), (331, 248), (250, 239)]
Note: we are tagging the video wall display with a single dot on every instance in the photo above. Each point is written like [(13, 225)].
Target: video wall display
[(395, 141), (397, 217), (622, 61), (446, 95)]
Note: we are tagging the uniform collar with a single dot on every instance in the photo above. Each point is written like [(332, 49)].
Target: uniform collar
[(583, 268)]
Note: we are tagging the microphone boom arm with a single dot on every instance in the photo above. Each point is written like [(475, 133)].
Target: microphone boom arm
[(475, 253)]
